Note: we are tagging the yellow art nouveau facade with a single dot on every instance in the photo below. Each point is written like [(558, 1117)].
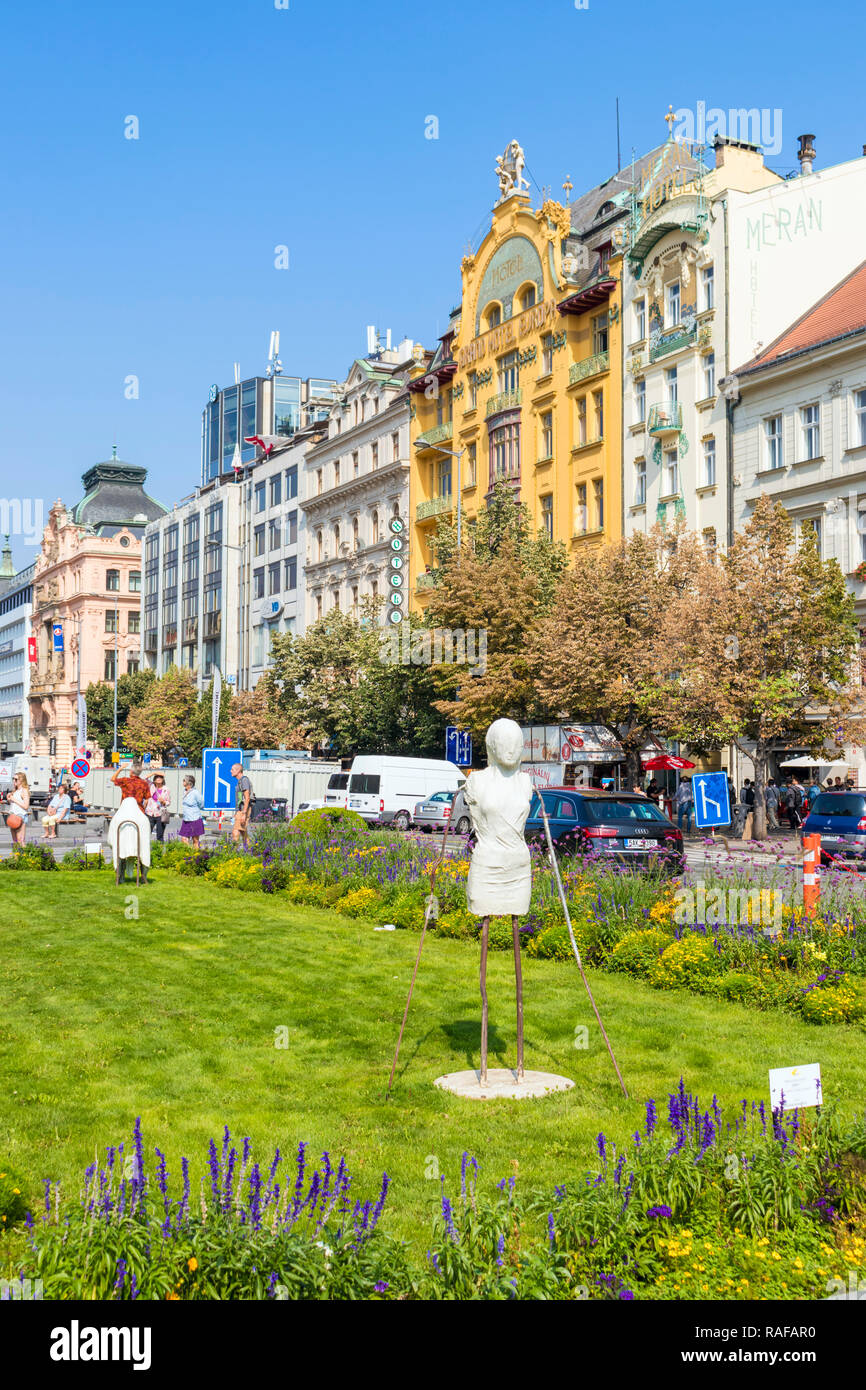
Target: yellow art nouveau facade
[(526, 386)]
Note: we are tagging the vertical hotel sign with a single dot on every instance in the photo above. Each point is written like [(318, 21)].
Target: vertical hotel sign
[(57, 630)]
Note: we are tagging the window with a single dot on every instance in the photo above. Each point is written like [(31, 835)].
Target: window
[(135, 581), (528, 298), (444, 474), (473, 390), (581, 520), (581, 420), (505, 451), (708, 287), (509, 372), (112, 579), (639, 319), (133, 665), (318, 482), (709, 463), (710, 375), (598, 494), (494, 316), (395, 447), (598, 411), (292, 528), (473, 465), (710, 543), (773, 437), (547, 435), (811, 526), (374, 527), (671, 473), (133, 622), (640, 482), (259, 582), (291, 482), (109, 666), (276, 490), (604, 257), (374, 455), (111, 620), (810, 423), (274, 579), (640, 401), (354, 600), (859, 418), (320, 546), (600, 334), (547, 354), (319, 596), (259, 540), (336, 472), (355, 464), (547, 515), (374, 589), (260, 495), (336, 538), (275, 535), (290, 574), (672, 304), (671, 385), (335, 599)]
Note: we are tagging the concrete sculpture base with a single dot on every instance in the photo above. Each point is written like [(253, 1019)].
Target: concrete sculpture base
[(502, 1083)]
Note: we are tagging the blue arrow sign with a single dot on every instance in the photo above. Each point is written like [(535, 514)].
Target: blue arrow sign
[(218, 785), (712, 802), (458, 746)]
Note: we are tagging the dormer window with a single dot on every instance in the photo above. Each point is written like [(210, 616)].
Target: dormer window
[(605, 210), (604, 253)]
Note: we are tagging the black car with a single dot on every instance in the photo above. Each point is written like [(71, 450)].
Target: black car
[(625, 825)]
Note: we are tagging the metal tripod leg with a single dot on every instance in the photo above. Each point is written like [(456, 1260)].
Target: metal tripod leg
[(518, 978), (485, 929)]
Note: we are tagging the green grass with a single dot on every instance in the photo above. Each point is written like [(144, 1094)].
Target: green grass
[(173, 1017)]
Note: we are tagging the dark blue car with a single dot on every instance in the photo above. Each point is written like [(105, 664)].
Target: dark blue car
[(840, 819), (625, 825)]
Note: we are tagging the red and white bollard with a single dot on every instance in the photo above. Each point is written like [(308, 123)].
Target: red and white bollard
[(811, 874)]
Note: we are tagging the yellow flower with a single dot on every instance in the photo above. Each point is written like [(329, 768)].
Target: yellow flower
[(17, 1191), (172, 1298), (192, 1264)]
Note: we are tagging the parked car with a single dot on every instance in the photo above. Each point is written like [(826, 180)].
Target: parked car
[(434, 813), (840, 819), (337, 790), (624, 825), (386, 790)]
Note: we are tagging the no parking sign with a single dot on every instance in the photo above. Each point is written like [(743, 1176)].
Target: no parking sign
[(80, 767)]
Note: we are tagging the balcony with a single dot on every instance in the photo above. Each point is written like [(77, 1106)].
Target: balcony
[(503, 400), (665, 418), (589, 366), (434, 506), (151, 641), (681, 335), (436, 435), (426, 580)]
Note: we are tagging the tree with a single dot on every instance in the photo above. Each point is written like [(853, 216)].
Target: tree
[(494, 589), (773, 655), (162, 721), (255, 720), (133, 689)]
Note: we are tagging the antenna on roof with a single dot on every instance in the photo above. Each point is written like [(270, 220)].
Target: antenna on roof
[(274, 366), (237, 374)]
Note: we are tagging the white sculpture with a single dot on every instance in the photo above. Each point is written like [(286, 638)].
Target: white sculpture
[(509, 171), (500, 874), (125, 843)]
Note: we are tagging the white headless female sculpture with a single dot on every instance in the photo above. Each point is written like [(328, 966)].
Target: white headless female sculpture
[(125, 843), (500, 874)]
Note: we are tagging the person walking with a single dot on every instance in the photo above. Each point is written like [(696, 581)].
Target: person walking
[(157, 808), (191, 813), (684, 802), (794, 803), (59, 808), (771, 801), (19, 809), (243, 805), (812, 791)]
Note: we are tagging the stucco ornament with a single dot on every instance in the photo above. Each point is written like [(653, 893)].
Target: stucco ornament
[(499, 882)]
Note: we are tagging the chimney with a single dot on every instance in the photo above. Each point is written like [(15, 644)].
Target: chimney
[(806, 153)]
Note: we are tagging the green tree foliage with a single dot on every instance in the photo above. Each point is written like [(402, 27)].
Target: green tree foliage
[(133, 689)]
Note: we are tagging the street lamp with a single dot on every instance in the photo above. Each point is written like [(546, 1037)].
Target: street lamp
[(423, 444)]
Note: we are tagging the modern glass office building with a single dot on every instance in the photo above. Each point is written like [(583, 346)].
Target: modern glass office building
[(16, 602), (263, 406)]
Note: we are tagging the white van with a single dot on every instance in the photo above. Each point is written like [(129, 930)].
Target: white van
[(337, 790), (385, 791), (36, 770)]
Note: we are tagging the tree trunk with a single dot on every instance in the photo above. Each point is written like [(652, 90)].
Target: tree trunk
[(759, 820), (633, 772)]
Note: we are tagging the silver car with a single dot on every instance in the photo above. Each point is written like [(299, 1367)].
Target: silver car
[(443, 809)]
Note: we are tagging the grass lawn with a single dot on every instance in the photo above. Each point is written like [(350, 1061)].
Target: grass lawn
[(173, 1017)]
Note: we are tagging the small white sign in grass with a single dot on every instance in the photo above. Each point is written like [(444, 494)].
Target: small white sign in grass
[(792, 1088)]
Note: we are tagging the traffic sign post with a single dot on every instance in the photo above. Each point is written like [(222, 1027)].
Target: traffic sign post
[(218, 790), (458, 746), (712, 800), (80, 768)]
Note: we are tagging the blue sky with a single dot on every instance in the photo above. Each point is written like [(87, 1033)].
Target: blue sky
[(305, 127)]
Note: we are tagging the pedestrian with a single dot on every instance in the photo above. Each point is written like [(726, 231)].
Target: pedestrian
[(134, 784), (747, 795), (837, 785), (243, 805), (812, 791), (794, 803), (192, 806), (19, 809), (684, 802), (59, 808), (653, 791), (849, 783), (157, 808), (771, 801)]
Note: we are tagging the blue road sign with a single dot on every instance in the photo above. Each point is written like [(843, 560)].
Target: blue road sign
[(218, 785), (712, 802), (145, 757), (183, 762), (458, 746)]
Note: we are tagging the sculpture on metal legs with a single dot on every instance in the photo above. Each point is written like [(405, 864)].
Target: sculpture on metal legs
[(499, 883)]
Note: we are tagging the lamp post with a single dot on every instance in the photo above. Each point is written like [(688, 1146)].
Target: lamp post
[(116, 626), (458, 455)]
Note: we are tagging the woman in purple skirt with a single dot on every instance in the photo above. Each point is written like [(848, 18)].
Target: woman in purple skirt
[(192, 825)]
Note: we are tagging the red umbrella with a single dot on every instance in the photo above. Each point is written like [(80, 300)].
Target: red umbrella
[(666, 763)]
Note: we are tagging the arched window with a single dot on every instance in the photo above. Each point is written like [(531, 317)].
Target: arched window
[(375, 525), (320, 546), (605, 210), (336, 537), (493, 315), (395, 510), (355, 533), (527, 297)]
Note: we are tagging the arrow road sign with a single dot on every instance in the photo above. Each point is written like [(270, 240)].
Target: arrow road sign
[(712, 802), (458, 746), (218, 788)]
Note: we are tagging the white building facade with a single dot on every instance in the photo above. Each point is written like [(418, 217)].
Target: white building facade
[(16, 605), (357, 480)]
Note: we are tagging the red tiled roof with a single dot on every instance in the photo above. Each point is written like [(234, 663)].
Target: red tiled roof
[(842, 310)]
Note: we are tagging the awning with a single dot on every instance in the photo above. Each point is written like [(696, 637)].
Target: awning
[(837, 764)]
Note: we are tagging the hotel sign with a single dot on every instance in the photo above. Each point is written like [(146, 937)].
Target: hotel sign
[(674, 175), (508, 333)]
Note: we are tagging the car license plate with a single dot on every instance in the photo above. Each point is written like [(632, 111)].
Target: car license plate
[(638, 844), (354, 803)]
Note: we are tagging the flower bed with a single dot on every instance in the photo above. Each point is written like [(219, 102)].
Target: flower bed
[(696, 1206)]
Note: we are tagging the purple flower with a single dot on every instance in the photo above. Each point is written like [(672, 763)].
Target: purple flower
[(380, 1286), (551, 1230), (659, 1213)]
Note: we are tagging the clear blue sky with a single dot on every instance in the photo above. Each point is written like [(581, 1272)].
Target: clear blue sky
[(305, 127)]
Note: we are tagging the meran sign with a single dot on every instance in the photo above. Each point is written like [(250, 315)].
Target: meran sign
[(507, 334)]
